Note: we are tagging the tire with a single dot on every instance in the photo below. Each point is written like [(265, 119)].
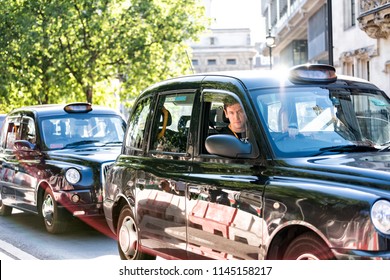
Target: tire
[(308, 246), (4, 209), (52, 219), (128, 237)]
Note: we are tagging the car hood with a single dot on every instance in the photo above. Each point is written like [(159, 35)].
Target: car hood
[(92, 154), (368, 169)]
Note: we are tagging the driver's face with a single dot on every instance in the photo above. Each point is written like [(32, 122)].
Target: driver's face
[(236, 116)]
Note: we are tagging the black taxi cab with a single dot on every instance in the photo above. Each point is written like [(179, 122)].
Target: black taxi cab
[(54, 158), (309, 178)]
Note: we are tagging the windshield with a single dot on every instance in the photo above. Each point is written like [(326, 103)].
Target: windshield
[(80, 129), (311, 121)]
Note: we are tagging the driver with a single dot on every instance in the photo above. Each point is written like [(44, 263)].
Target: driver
[(237, 119)]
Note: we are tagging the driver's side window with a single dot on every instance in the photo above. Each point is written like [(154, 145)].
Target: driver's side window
[(223, 113), (28, 130)]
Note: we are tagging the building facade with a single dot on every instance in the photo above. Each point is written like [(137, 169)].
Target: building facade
[(223, 47), (223, 50), (355, 31)]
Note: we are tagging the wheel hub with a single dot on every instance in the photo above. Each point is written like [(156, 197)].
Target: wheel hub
[(128, 237), (307, 256), (48, 209)]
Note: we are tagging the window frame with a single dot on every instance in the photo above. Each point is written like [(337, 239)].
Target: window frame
[(15, 120), (129, 146)]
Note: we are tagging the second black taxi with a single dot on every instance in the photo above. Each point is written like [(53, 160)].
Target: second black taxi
[(54, 159)]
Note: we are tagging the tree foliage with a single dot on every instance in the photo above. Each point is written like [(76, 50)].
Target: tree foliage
[(74, 50)]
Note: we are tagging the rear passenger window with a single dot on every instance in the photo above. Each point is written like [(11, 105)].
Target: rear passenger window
[(172, 122), (137, 124)]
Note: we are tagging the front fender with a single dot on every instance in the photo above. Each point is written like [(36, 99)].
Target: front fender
[(339, 214)]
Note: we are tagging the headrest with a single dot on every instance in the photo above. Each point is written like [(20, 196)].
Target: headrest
[(182, 124)]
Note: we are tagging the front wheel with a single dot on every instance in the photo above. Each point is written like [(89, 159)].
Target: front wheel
[(50, 213), (128, 237), (4, 209), (308, 246)]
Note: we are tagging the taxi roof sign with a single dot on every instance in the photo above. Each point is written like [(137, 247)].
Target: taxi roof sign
[(309, 73), (78, 107)]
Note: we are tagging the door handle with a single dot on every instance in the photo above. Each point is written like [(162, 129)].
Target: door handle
[(141, 181), (192, 190)]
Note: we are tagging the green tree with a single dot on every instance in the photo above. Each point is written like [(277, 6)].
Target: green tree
[(72, 50)]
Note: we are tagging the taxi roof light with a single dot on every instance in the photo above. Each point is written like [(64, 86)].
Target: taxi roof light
[(78, 107), (309, 73)]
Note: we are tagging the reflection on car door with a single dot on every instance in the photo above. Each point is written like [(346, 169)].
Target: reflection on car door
[(225, 221)]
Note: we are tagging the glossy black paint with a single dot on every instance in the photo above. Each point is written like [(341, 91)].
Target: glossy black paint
[(245, 207), (29, 168)]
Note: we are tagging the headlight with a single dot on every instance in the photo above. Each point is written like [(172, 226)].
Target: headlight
[(380, 216), (72, 175)]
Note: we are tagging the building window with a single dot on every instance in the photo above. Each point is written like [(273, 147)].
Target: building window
[(231, 61), (349, 13), (349, 68), (282, 8), (274, 14), (363, 67), (212, 41), (195, 62), (211, 62)]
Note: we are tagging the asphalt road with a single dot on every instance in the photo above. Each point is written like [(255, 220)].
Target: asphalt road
[(24, 237)]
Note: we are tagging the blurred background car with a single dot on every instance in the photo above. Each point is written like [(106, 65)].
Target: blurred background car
[(2, 118), (54, 159)]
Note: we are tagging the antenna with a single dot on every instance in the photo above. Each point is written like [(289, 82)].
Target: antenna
[(190, 62)]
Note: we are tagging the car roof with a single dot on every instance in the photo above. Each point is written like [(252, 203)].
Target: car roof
[(58, 109), (256, 79)]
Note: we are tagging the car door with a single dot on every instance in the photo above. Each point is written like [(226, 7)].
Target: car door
[(9, 164), (161, 184), (27, 172), (224, 207)]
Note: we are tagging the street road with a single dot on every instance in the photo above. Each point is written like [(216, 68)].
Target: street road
[(24, 237)]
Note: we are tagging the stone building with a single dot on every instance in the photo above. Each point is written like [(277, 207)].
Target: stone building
[(359, 41), (223, 50), (223, 47)]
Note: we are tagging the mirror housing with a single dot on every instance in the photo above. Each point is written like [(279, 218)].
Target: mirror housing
[(228, 146), (24, 146)]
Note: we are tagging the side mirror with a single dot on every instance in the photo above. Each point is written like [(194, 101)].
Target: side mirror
[(24, 146), (228, 146)]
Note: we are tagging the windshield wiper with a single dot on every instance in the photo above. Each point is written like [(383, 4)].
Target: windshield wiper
[(387, 144), (78, 143), (347, 149), (111, 142)]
